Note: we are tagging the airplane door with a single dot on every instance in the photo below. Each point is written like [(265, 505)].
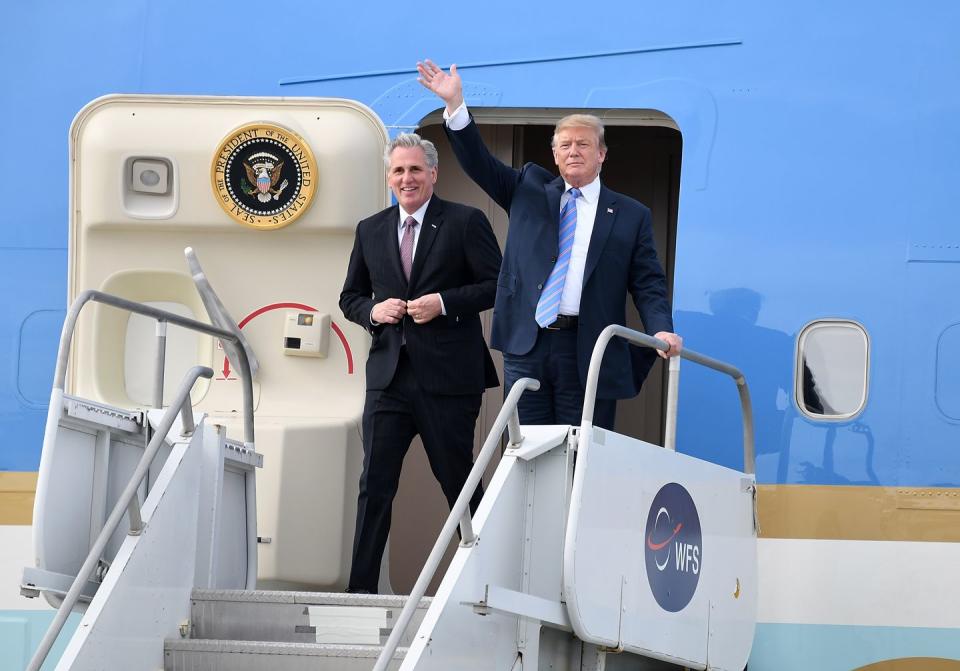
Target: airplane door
[(930, 396), (268, 192)]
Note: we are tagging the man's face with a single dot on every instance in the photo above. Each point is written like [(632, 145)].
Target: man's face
[(578, 154), (409, 177)]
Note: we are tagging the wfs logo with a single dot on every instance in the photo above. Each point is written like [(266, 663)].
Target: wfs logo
[(673, 547)]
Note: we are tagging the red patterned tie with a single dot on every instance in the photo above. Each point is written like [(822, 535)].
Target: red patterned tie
[(406, 246)]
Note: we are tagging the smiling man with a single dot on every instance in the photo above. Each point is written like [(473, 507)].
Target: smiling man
[(574, 251), (420, 274)]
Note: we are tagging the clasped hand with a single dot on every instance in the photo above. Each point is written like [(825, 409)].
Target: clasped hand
[(421, 310)]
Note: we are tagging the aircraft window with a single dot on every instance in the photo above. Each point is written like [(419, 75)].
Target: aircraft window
[(832, 366)]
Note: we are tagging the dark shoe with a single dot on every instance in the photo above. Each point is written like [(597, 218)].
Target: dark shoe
[(357, 590)]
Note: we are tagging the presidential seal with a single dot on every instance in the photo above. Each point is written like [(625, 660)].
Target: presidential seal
[(264, 176)]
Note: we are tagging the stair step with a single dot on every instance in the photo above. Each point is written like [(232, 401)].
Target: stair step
[(217, 655), (299, 617)]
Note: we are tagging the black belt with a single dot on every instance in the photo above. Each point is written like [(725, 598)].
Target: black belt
[(563, 323)]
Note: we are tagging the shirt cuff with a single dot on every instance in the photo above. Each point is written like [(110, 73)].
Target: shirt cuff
[(372, 322), (443, 308), (458, 120)]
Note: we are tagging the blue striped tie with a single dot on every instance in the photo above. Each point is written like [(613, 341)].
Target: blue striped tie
[(549, 304)]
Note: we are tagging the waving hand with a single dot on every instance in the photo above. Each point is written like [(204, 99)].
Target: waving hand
[(448, 87)]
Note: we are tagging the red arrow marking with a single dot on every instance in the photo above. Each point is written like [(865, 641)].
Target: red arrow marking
[(293, 306)]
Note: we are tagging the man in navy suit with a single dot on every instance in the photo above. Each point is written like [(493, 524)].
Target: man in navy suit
[(574, 251), (420, 274)]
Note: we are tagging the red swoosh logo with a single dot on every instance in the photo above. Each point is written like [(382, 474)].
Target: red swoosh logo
[(659, 546)]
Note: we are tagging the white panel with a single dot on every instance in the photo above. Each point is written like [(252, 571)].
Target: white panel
[(452, 635), (146, 593), (866, 583), (124, 458), (64, 536), (306, 499), (616, 481), (230, 553)]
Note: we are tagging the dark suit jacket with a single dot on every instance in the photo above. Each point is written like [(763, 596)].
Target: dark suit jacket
[(621, 258), (458, 256)]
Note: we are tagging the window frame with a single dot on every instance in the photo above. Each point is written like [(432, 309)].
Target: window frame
[(804, 333)]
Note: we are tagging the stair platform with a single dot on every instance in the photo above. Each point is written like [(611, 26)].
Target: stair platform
[(298, 617), (220, 655)]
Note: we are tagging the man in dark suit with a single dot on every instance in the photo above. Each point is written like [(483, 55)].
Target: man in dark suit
[(574, 251), (419, 276)]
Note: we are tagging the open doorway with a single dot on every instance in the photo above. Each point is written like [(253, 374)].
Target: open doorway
[(643, 162)]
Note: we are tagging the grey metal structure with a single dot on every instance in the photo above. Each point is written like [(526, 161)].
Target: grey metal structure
[(162, 316), (128, 501), (642, 339), (506, 419), (282, 616), (505, 582)]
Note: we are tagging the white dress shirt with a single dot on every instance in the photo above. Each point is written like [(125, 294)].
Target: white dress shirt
[(418, 216), (586, 214)]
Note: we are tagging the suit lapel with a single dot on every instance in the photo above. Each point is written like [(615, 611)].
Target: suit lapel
[(432, 220), (388, 231), (602, 225), (553, 190)]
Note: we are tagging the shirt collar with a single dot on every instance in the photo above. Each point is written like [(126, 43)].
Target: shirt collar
[(589, 192), (418, 215)]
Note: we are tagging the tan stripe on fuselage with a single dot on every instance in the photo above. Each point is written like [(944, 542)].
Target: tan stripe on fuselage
[(859, 513), (786, 511), (16, 497)]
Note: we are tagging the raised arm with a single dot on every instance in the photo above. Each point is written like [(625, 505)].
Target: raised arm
[(448, 87), (498, 180)]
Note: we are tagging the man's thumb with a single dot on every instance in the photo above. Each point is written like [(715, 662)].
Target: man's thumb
[(453, 69)]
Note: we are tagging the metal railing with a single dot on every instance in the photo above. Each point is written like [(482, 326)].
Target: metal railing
[(163, 317), (459, 514), (128, 502), (673, 382)]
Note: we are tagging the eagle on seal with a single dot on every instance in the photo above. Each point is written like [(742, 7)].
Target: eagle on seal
[(265, 176)]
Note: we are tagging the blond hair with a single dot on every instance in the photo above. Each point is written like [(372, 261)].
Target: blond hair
[(580, 121)]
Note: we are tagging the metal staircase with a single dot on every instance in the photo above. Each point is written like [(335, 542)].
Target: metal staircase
[(551, 573), (238, 629), (586, 543)]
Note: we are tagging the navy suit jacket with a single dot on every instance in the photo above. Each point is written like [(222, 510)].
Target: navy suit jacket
[(621, 258), (458, 256)]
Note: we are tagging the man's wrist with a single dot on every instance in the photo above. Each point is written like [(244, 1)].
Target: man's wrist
[(459, 118)]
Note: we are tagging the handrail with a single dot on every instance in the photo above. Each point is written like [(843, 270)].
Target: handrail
[(507, 418), (70, 324), (642, 339), (125, 500)]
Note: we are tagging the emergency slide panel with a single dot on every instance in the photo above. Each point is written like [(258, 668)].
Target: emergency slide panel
[(672, 540)]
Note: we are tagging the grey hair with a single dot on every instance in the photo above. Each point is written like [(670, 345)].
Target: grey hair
[(579, 121), (412, 140)]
